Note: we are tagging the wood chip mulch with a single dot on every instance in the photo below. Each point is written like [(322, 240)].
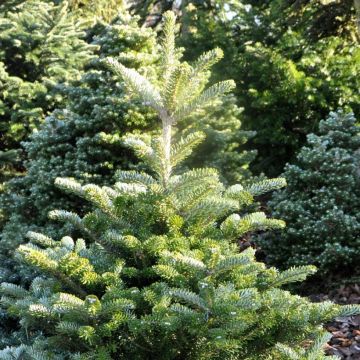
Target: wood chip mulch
[(345, 341)]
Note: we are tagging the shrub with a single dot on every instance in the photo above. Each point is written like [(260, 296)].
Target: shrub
[(321, 204), (158, 273)]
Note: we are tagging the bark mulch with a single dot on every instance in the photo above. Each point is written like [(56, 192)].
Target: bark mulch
[(345, 341)]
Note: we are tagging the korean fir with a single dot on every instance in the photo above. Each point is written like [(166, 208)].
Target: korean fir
[(321, 204), (83, 140), (156, 272)]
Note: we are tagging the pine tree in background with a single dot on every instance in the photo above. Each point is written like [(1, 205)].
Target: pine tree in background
[(158, 273), (82, 140), (321, 205), (42, 48)]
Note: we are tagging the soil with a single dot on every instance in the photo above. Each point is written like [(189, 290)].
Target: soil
[(345, 341)]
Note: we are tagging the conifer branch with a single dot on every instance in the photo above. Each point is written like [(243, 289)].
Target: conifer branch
[(207, 60), (42, 261), (230, 262), (139, 84), (265, 186), (189, 297), (168, 46), (204, 98), (293, 274)]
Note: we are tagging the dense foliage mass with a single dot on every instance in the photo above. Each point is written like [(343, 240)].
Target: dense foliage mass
[(81, 140), (306, 58), (294, 62), (321, 204), (42, 49), (84, 139), (157, 273), (154, 266)]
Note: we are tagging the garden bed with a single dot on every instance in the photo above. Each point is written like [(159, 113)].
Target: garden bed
[(345, 341)]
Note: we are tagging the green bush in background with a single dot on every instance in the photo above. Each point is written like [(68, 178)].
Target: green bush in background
[(321, 204), (42, 49)]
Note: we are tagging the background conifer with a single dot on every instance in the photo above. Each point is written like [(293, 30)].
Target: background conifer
[(42, 49), (81, 140), (321, 202)]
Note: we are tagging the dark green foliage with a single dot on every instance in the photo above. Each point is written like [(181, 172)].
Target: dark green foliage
[(157, 273), (293, 62), (82, 140), (321, 204), (297, 67), (42, 48)]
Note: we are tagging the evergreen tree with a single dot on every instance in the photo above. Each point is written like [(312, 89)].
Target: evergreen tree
[(321, 204), (84, 140), (158, 273), (42, 48), (81, 140)]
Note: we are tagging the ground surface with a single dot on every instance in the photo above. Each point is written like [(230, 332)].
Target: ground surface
[(345, 341)]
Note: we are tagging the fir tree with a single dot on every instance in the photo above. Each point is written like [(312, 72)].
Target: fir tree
[(84, 139), (81, 140), (42, 48), (157, 273), (321, 204)]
